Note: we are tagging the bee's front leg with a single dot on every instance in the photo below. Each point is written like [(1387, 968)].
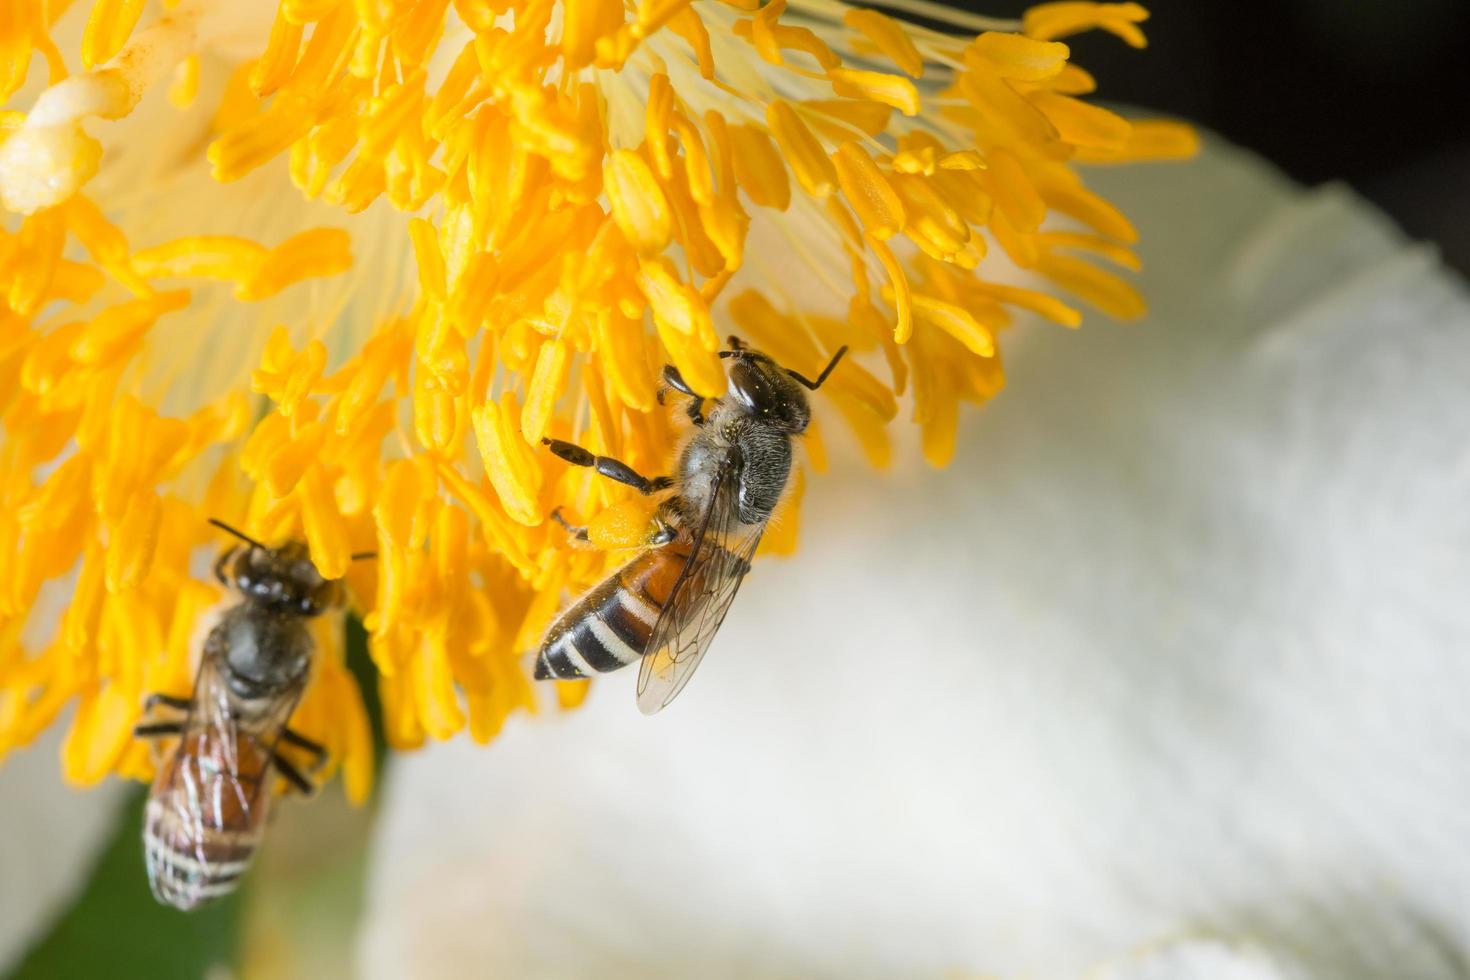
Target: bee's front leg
[(613, 469), (674, 380)]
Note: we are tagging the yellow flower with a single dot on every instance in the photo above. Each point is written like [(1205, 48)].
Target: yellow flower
[(209, 308)]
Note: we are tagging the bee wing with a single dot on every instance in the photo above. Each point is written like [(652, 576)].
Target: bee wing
[(701, 595)]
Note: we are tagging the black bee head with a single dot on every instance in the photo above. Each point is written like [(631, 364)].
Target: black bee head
[(767, 391), (283, 580)]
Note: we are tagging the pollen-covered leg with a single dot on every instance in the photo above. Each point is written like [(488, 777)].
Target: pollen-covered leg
[(613, 469)]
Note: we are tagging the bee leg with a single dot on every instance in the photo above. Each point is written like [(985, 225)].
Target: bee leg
[(302, 742), (673, 379), (298, 782), (580, 533), (168, 701), (222, 561), (613, 469), (158, 729), (666, 522)]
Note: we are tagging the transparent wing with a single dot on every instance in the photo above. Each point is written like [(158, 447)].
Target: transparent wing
[(718, 560)]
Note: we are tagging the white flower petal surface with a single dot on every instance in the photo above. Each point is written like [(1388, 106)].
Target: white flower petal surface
[(49, 838), (1180, 645), (1202, 959)]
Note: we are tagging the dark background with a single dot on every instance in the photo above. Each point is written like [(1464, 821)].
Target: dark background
[(1372, 92)]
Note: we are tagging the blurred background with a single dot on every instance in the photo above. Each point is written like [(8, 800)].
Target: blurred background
[(1367, 93), (1371, 94)]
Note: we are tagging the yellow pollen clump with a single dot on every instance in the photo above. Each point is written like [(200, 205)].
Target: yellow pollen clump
[(332, 273)]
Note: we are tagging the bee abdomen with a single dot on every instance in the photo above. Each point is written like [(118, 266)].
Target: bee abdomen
[(610, 626), (186, 873)]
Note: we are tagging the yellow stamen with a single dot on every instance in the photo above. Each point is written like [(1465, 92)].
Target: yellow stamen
[(868, 191), (586, 191), (890, 38), (1053, 20)]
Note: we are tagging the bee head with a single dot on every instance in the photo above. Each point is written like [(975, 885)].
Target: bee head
[(283, 579), (770, 392)]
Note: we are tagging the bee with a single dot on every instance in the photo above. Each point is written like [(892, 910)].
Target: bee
[(207, 807), (664, 606)]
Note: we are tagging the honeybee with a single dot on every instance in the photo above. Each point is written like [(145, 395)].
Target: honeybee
[(664, 606), (207, 807)]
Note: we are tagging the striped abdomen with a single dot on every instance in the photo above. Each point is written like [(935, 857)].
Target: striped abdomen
[(205, 816), (610, 626)]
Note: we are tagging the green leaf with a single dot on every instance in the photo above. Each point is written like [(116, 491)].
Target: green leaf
[(116, 929)]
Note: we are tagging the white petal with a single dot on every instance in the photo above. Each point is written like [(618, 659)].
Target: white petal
[(49, 837), (1178, 646), (1202, 959)]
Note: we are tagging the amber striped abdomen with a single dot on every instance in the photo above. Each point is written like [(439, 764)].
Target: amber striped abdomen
[(610, 626), (205, 817)]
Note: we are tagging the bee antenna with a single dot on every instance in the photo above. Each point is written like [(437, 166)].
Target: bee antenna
[(738, 347), (239, 534), (363, 555), (814, 385)]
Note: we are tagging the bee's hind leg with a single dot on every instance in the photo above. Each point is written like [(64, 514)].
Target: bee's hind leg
[(613, 469), (292, 775)]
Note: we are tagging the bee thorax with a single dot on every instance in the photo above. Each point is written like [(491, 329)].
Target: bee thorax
[(260, 653)]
